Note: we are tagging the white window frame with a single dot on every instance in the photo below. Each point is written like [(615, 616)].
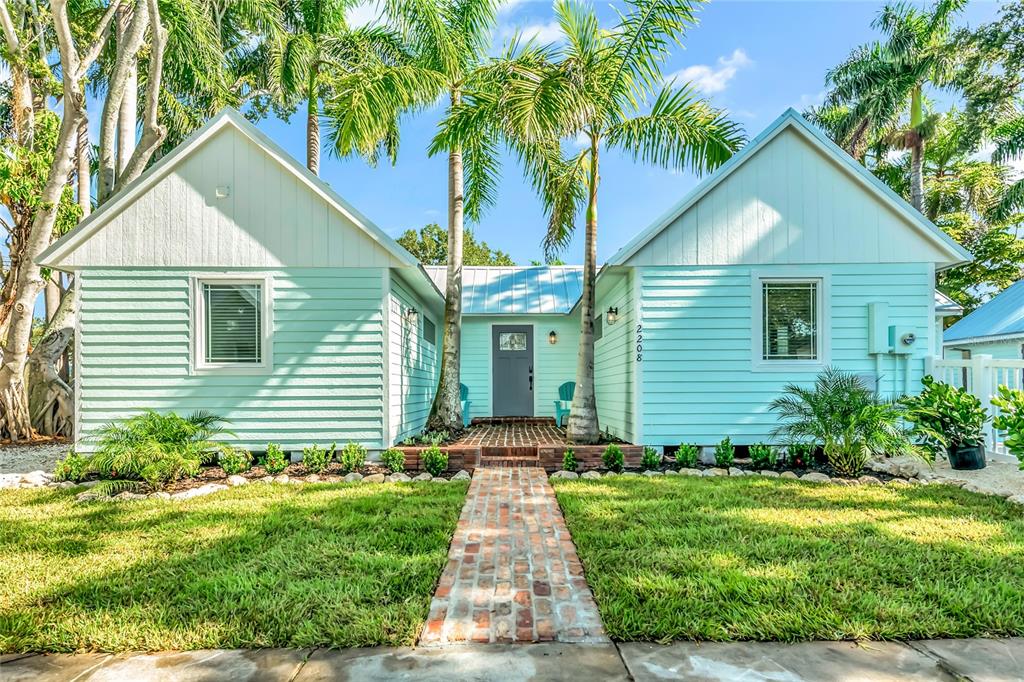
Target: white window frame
[(198, 330), (823, 321)]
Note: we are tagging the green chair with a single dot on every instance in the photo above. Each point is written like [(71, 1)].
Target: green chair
[(464, 397), (565, 393)]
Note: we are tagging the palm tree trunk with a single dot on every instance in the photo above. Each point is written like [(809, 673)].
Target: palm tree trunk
[(82, 170), (446, 411), (916, 150), (313, 123), (583, 423)]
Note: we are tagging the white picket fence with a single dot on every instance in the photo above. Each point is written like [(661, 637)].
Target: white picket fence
[(982, 375)]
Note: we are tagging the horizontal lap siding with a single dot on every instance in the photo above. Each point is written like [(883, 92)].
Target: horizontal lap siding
[(414, 364), (698, 385), (1001, 350), (614, 362), (327, 380)]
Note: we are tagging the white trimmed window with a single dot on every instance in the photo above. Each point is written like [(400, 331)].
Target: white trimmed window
[(789, 327), (232, 324)]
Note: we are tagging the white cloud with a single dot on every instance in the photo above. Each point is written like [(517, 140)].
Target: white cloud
[(807, 100), (712, 79), (985, 154), (508, 6), (543, 34), (364, 14)]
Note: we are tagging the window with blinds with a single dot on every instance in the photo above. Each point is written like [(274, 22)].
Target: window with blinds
[(789, 320), (232, 323)]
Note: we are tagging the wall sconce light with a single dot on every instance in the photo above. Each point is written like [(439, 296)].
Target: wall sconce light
[(552, 337), (410, 315), (612, 315), (223, 191)]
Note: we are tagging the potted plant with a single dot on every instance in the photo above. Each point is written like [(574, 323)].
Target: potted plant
[(949, 418)]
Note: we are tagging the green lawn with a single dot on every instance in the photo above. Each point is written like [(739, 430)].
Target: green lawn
[(764, 559), (257, 566)]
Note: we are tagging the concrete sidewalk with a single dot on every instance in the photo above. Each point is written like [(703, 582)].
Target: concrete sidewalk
[(973, 660)]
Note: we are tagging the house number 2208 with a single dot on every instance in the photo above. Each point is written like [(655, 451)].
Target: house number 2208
[(639, 343)]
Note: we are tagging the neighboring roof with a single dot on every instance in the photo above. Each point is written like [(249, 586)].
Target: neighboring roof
[(496, 290), (1002, 317), (791, 119), (59, 250), (946, 306)]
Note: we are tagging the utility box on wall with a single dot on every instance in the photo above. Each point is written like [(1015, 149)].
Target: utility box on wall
[(878, 328), (902, 339)]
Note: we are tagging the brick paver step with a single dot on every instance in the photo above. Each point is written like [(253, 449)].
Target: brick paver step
[(513, 574)]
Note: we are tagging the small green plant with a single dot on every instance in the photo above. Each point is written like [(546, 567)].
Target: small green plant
[(799, 455), (569, 462), (352, 457), (393, 460), (651, 459), (945, 416), (316, 458), (1011, 420), (235, 461), (434, 460), (613, 458), (763, 456), (434, 437), (111, 488), (73, 468), (725, 453), (687, 455), (274, 460)]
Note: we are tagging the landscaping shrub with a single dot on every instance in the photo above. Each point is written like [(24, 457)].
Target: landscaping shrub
[(73, 467), (651, 459), (158, 448), (687, 455), (569, 460), (1011, 420), (763, 456), (945, 416), (235, 461), (274, 460), (850, 421), (393, 459), (316, 458), (434, 461), (613, 458), (352, 457), (434, 437), (799, 455), (725, 453)]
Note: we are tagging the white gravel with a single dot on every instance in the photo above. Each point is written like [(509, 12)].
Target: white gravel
[(20, 459)]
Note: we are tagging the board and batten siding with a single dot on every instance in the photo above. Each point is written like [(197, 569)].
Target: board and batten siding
[(698, 383), (615, 360), (788, 203), (326, 383), (553, 364), (413, 363)]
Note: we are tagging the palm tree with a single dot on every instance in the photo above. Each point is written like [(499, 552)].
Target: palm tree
[(594, 88), (444, 43), (1009, 139), (879, 81)]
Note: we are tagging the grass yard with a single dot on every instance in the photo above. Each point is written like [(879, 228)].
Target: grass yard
[(769, 559), (256, 566)]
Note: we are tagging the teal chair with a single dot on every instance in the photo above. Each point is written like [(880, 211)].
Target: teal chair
[(464, 397), (565, 393)]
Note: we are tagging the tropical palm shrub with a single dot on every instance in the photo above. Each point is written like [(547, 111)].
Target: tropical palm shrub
[(569, 462), (725, 453), (1011, 419), (274, 460), (434, 460), (650, 459), (316, 458), (72, 468), (393, 460), (945, 416), (158, 448), (763, 456), (613, 458), (687, 455), (850, 421)]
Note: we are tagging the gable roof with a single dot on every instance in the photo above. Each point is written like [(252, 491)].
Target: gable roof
[(499, 290), (791, 120), (58, 253), (946, 306), (1002, 317)]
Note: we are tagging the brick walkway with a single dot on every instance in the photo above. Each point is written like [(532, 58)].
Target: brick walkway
[(513, 574), (513, 434)]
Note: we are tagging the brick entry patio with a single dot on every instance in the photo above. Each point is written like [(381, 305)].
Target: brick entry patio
[(512, 574)]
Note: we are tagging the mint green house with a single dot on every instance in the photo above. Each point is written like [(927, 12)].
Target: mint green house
[(228, 278)]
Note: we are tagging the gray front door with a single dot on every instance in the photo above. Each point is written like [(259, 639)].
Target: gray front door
[(512, 367)]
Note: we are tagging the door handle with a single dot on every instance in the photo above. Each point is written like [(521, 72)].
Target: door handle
[(531, 378)]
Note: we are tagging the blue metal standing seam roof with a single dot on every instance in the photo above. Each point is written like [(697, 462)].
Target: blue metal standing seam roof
[(1002, 316), (530, 290)]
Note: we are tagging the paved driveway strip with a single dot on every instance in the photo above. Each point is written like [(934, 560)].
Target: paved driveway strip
[(512, 574)]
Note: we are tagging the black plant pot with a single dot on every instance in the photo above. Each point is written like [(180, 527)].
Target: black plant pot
[(966, 457)]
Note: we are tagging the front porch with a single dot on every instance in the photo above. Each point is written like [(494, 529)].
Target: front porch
[(517, 442)]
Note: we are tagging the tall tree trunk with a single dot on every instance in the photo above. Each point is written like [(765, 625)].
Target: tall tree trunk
[(83, 172), (50, 398), (446, 411), (583, 423), (916, 144), (51, 295), (313, 122)]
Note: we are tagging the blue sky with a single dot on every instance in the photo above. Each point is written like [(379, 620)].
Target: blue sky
[(754, 59)]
